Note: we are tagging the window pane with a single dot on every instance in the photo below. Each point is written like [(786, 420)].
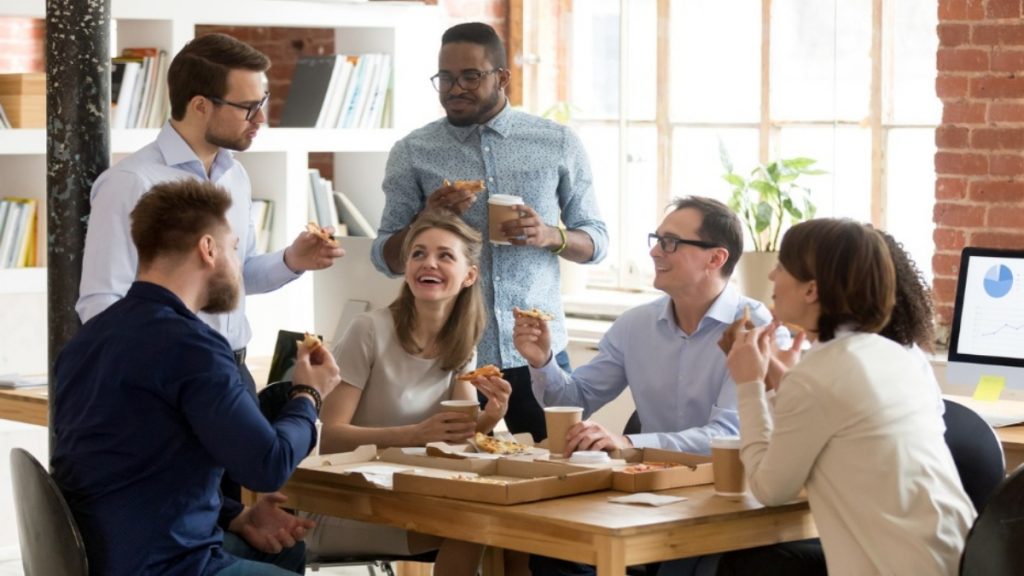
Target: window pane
[(595, 58), (910, 74), (696, 164), (715, 60), (910, 191), (845, 154), (643, 57), (602, 144), (817, 74), (638, 205)]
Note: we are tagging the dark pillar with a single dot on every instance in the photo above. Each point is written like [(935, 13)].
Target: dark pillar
[(77, 150)]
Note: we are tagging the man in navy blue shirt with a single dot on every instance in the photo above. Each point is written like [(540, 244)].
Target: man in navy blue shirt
[(150, 410)]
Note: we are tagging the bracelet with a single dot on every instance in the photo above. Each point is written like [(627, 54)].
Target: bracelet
[(297, 389), (565, 242)]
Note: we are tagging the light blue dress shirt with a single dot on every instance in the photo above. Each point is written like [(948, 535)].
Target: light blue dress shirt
[(680, 384), (514, 153), (111, 261)]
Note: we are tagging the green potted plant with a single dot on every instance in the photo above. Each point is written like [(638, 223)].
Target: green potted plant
[(768, 201)]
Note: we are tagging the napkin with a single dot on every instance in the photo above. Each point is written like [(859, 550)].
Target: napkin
[(647, 498)]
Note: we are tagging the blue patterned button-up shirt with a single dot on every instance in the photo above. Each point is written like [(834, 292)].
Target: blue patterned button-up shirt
[(514, 153)]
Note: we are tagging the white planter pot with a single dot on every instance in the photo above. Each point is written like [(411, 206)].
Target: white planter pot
[(752, 275)]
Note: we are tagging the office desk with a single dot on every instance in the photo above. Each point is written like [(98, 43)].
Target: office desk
[(585, 528), (1012, 439), (28, 405)]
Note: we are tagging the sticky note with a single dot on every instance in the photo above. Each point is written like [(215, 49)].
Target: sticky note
[(989, 388)]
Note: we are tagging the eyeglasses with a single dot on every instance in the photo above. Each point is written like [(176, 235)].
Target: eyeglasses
[(670, 244), (467, 80), (251, 109)]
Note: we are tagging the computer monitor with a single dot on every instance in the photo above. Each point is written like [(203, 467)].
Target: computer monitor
[(987, 336)]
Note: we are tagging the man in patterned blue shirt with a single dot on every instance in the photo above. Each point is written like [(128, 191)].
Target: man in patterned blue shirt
[(483, 138)]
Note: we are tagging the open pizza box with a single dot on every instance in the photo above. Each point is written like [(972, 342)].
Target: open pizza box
[(367, 467), (503, 481), (692, 469), (518, 446)]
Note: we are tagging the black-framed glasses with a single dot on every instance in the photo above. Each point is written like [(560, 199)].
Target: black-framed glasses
[(251, 109), (670, 244), (467, 79)]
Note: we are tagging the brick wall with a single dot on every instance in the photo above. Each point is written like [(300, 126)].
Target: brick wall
[(979, 190), (21, 45)]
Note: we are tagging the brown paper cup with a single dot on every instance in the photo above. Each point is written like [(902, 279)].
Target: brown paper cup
[(468, 407), (500, 209), (730, 478), (558, 420)]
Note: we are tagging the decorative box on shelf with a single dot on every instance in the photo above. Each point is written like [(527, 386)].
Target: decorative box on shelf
[(23, 97)]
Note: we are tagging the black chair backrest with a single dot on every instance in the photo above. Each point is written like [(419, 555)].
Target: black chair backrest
[(633, 424), (976, 451), (995, 544), (50, 542)]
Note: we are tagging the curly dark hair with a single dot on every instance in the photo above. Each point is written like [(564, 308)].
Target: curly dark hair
[(912, 319)]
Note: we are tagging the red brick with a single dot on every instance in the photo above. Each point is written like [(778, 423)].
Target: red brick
[(1007, 61), (961, 10), (1006, 217), (963, 113), (998, 34), (1005, 112), (996, 191), (1002, 9), (947, 239), (956, 163), (951, 137), (962, 60), (946, 264), (951, 87), (944, 289), (998, 240), (1006, 165), (991, 87), (950, 189), (958, 215), (951, 35), (944, 312), (997, 138)]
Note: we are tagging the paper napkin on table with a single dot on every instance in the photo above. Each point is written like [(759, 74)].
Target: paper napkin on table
[(647, 498)]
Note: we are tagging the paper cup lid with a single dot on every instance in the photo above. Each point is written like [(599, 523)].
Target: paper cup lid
[(589, 457), (725, 442), (563, 409), (505, 200), (459, 403)]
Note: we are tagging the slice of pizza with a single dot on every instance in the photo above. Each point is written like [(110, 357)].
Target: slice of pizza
[(471, 186), (535, 313), (493, 445), (315, 229), (487, 370), (730, 334), (311, 342)]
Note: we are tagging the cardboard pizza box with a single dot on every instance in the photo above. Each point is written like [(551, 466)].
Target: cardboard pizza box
[(471, 450), (504, 481), (367, 466), (693, 470)]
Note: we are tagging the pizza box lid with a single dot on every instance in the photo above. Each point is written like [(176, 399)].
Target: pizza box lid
[(694, 469)]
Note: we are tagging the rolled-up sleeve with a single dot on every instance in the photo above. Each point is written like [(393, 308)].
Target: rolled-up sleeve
[(577, 197)]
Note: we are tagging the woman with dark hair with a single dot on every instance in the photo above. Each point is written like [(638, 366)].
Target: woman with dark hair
[(398, 365), (847, 422)]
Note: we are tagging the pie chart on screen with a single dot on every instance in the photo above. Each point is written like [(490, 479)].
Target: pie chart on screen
[(998, 281)]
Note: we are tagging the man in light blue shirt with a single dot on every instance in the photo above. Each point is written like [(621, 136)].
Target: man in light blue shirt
[(544, 163), (666, 352)]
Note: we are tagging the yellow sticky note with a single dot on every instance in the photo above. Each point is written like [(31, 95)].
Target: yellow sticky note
[(989, 388)]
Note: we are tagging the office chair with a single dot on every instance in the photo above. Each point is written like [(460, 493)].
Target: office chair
[(976, 451), (993, 546), (272, 400), (51, 544)]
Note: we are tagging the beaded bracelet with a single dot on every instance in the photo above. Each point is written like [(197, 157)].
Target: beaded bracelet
[(303, 389), (565, 242)]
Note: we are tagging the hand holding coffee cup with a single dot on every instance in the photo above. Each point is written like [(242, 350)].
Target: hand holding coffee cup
[(471, 408), (730, 477), (559, 419), (502, 209)]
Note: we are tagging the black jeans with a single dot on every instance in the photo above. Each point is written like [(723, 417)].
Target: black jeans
[(524, 413), (803, 558)]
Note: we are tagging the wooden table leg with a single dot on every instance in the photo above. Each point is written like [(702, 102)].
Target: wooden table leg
[(494, 562), (611, 557)]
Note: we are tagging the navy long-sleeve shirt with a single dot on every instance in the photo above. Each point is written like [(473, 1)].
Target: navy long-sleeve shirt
[(149, 412)]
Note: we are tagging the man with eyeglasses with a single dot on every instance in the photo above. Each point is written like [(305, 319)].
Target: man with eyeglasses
[(217, 98), (482, 138), (665, 352)]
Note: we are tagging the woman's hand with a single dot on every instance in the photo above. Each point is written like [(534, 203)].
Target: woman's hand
[(445, 427), (532, 339), (748, 359), (497, 391)]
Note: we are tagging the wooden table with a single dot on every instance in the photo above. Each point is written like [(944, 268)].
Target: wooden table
[(585, 528), (28, 405), (1012, 439)]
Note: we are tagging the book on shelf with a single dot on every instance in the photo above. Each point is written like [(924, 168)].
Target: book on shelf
[(137, 88), (263, 218), (311, 82), (23, 97), (352, 218), (5, 124), (18, 232), (339, 91)]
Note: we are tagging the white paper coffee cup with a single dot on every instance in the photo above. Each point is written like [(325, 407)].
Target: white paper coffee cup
[(730, 477), (500, 209)]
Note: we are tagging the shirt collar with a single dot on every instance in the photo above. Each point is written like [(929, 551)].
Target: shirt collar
[(723, 309), (501, 124), (159, 294), (178, 154)]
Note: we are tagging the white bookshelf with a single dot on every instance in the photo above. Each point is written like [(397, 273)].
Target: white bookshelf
[(278, 160)]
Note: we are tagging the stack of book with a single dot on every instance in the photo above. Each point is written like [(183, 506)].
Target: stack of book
[(23, 98), (4, 122), (340, 91), (263, 216), (329, 207), (138, 91), (17, 232)]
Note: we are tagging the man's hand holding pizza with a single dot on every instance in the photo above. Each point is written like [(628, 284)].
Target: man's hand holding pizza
[(532, 338), (313, 250), (455, 196)]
